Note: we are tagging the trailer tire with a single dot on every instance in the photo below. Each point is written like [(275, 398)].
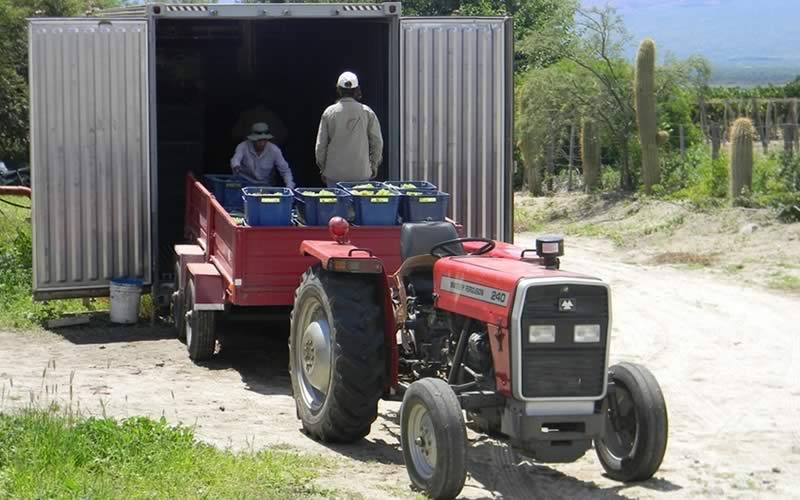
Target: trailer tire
[(337, 355), (201, 340), (434, 438), (635, 439), (178, 309)]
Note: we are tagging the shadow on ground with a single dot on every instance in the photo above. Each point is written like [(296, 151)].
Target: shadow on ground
[(256, 347), (100, 330)]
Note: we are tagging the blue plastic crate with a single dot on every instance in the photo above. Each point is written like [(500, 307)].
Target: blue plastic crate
[(318, 210), (373, 210), (262, 208), (418, 186), (428, 206), (227, 189)]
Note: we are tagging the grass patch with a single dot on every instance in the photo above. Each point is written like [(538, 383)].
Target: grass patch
[(684, 258), (47, 454), (596, 231), (17, 308), (785, 282), (526, 219)]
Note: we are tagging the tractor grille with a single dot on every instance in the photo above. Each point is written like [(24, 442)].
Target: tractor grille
[(564, 368)]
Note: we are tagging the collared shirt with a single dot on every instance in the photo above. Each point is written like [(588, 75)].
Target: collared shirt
[(349, 142), (258, 167)]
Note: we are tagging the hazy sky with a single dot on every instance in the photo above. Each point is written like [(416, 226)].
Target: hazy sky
[(725, 31)]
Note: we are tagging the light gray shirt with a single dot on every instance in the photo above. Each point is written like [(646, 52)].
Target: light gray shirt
[(258, 167), (349, 142)]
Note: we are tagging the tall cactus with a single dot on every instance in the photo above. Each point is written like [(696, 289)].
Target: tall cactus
[(742, 137), (645, 98), (590, 155)]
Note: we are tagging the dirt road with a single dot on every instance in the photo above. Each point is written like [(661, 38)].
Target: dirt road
[(727, 357)]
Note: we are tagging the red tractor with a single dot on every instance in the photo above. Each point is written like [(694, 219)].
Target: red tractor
[(468, 325)]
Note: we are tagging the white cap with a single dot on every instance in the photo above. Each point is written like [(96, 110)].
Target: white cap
[(347, 80)]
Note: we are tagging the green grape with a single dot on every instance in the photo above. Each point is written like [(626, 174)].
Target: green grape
[(323, 192), (408, 186)]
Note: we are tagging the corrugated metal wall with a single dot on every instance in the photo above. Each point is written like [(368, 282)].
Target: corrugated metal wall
[(89, 147), (454, 116)]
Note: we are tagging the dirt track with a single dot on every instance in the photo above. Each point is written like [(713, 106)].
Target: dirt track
[(728, 360)]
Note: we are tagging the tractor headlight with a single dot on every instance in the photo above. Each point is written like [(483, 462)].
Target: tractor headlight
[(586, 334), (542, 334)]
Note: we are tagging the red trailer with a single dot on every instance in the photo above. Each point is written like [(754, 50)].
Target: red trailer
[(228, 264)]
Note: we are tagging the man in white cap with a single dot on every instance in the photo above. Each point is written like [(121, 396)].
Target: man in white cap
[(349, 141), (256, 158)]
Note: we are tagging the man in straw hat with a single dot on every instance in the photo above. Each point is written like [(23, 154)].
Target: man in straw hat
[(257, 157)]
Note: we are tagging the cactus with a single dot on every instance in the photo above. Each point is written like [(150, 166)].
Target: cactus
[(742, 136), (645, 98), (590, 155)]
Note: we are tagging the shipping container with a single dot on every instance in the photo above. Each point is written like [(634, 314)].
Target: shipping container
[(125, 102)]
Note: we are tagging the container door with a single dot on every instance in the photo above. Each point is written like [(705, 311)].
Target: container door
[(456, 102), (89, 155)]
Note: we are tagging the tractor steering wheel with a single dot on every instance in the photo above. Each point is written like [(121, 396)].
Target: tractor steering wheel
[(444, 249)]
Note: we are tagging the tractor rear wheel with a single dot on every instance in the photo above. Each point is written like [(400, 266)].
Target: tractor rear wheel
[(337, 354), (201, 339), (636, 425), (434, 438)]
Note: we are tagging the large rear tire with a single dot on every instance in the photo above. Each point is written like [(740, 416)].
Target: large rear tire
[(337, 354), (636, 425), (434, 438), (201, 340)]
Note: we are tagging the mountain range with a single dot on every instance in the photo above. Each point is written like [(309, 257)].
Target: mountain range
[(747, 41)]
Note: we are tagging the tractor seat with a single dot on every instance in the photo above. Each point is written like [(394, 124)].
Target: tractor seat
[(417, 239)]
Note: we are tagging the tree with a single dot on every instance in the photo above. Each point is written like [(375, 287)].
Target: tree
[(597, 44), (14, 64), (532, 18), (545, 107)]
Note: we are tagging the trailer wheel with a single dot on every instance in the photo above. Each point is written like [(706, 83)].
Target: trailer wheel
[(636, 425), (337, 354), (178, 311), (434, 438), (201, 339)]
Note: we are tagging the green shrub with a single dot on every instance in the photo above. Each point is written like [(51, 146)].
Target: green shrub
[(776, 184), (609, 178), (699, 179), (17, 308)]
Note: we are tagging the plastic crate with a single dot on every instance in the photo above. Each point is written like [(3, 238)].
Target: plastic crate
[(428, 206), (373, 210), (263, 208), (418, 186), (318, 210), (227, 189)]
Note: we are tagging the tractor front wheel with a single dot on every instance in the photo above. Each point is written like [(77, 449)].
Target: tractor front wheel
[(200, 327), (337, 355), (635, 434), (434, 438)]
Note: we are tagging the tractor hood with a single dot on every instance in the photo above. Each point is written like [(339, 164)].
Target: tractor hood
[(483, 287)]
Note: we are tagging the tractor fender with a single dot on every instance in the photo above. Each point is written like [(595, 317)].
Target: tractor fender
[(185, 255), (209, 289)]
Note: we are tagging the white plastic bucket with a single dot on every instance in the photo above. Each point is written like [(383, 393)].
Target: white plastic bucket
[(125, 293)]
